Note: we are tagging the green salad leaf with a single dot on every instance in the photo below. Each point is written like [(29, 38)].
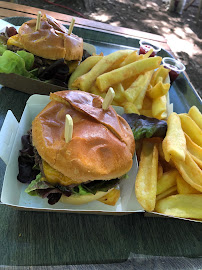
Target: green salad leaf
[(35, 185), (145, 127), (2, 48), (28, 59), (11, 62)]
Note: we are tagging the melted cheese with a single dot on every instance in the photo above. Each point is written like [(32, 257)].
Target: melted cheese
[(14, 40), (53, 176)]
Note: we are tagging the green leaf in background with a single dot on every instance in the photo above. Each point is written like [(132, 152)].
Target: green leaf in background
[(11, 62)]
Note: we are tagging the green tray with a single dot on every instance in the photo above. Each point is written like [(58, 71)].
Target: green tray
[(40, 238)]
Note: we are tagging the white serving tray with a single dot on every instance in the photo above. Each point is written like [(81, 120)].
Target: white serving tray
[(13, 191)]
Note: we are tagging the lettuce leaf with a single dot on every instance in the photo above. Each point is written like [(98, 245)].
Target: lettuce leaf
[(2, 48), (37, 184), (11, 62), (99, 185), (28, 59), (145, 127)]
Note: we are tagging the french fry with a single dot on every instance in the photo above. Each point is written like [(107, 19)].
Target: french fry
[(174, 144), (83, 68), (159, 107), (183, 187), (119, 93), (171, 191), (195, 150), (159, 90), (147, 103), (85, 81), (146, 180), (72, 65), (147, 55), (111, 198), (127, 83), (139, 100), (94, 90), (167, 181), (163, 116), (145, 112), (134, 56), (189, 170), (160, 171), (138, 86), (129, 107), (117, 63), (167, 166), (167, 79), (191, 129), (118, 75), (196, 115), (181, 205), (160, 72), (159, 80)]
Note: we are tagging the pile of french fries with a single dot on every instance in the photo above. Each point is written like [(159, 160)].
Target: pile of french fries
[(140, 83), (169, 179)]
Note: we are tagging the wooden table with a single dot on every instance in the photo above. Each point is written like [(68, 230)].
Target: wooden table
[(11, 9), (40, 238)]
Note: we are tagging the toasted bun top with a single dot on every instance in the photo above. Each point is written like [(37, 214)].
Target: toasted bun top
[(51, 41), (102, 144)]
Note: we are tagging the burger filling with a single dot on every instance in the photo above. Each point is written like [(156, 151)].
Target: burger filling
[(42, 178)]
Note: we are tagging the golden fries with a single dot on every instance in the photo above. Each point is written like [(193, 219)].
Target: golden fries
[(191, 129), (147, 55), (183, 187), (85, 81), (159, 109), (190, 171), (167, 181), (118, 75), (195, 114), (171, 191), (130, 75), (111, 198), (129, 107), (131, 58), (119, 93), (181, 205), (160, 171), (179, 184), (161, 72), (195, 150), (174, 144), (160, 89), (138, 86), (83, 68), (146, 180)]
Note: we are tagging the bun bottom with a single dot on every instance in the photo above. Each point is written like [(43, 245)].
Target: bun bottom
[(83, 199)]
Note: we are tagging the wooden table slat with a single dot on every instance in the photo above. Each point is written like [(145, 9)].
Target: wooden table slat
[(31, 12)]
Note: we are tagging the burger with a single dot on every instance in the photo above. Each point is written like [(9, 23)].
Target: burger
[(90, 165), (56, 53)]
